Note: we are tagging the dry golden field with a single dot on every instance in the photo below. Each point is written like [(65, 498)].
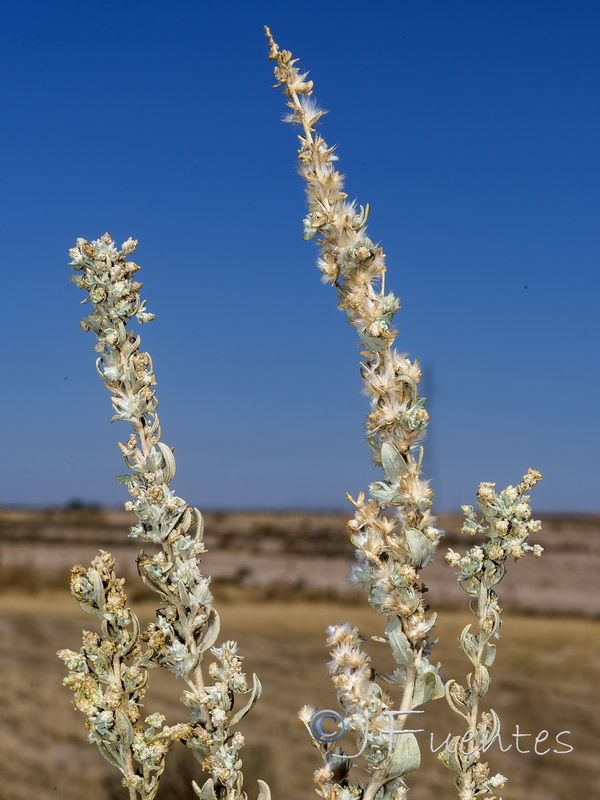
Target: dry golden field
[(545, 677), (275, 553)]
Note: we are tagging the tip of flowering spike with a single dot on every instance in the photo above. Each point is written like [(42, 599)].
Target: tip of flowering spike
[(269, 36), (273, 46)]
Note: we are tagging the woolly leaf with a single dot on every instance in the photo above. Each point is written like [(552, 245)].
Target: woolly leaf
[(91, 610), (207, 792), (419, 546), (213, 626), (375, 448), (491, 735), (386, 494), (374, 344), (150, 581), (127, 646), (469, 644), (428, 686), (98, 589), (405, 756), (264, 793), (428, 624), (113, 758), (255, 694), (480, 687), (199, 525), (184, 594), (169, 461), (497, 575), (102, 666), (449, 756), (398, 642), (124, 727), (393, 464), (455, 704), (490, 655), (338, 763)]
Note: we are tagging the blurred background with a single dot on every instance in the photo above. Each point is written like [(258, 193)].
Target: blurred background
[(472, 131)]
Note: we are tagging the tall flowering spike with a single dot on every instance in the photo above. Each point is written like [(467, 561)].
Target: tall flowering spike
[(187, 625), (391, 547), (505, 524)]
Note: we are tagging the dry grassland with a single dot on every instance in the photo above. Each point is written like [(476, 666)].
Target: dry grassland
[(276, 597), (275, 553), (545, 679)]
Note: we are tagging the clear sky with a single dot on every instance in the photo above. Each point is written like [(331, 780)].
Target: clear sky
[(473, 130)]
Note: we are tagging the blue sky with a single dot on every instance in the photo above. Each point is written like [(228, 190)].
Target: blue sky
[(471, 128)]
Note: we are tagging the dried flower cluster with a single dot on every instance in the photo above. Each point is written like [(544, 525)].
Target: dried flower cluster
[(108, 677), (109, 674), (394, 531)]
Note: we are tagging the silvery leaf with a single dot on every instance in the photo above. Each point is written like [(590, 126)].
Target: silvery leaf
[(375, 448), (169, 460), (338, 763), (480, 687), (455, 704), (405, 756), (469, 644), (207, 792), (213, 626), (183, 593), (428, 686), (490, 655), (385, 494), (264, 793), (381, 491), (255, 694), (398, 642), (491, 735), (427, 625), (124, 727), (199, 525), (123, 649), (98, 589), (373, 343), (393, 464), (419, 546), (449, 757), (114, 759), (91, 610)]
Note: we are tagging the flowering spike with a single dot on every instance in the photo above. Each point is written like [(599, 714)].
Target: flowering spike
[(186, 624), (390, 549)]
